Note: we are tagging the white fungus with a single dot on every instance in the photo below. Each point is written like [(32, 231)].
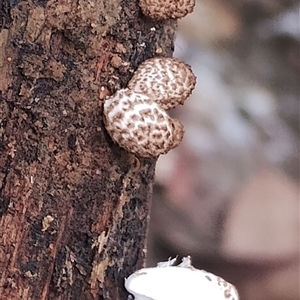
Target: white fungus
[(169, 282)]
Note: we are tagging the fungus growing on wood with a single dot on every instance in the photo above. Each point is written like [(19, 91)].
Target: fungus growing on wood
[(167, 9), (169, 282), (136, 117), (167, 81), (140, 125)]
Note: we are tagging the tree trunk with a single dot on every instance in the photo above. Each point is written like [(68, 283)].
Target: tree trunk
[(74, 206)]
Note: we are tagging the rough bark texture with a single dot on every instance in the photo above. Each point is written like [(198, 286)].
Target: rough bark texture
[(73, 205)]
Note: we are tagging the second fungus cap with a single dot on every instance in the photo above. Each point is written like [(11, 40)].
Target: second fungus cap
[(167, 9)]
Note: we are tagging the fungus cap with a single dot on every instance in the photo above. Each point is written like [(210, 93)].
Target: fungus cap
[(167, 9), (140, 125), (169, 282), (167, 81)]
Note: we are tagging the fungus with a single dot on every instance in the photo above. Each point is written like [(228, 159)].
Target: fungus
[(167, 81), (140, 125), (166, 9), (169, 282), (136, 117)]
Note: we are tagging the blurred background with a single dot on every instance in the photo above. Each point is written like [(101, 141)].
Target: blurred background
[(229, 194)]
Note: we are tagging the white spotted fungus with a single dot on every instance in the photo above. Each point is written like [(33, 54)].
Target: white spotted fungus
[(169, 282), (166, 9), (140, 125), (136, 117), (167, 81)]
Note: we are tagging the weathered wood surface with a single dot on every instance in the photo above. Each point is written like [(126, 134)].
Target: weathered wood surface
[(73, 206)]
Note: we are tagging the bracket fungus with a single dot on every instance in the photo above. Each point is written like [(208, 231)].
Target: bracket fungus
[(169, 282), (166, 9), (140, 125), (168, 81), (136, 117)]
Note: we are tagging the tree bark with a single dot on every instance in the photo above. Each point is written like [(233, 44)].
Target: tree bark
[(74, 206)]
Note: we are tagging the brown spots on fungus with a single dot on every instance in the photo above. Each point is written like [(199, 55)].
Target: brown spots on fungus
[(167, 81), (167, 9), (136, 117), (144, 129)]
